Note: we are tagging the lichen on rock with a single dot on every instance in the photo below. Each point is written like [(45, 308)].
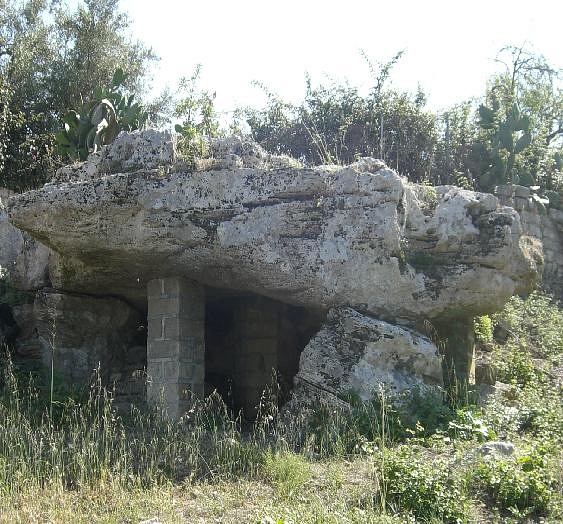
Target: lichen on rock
[(358, 237)]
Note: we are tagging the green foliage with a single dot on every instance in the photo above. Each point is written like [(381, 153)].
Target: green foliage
[(483, 328), (536, 324), (288, 472), (535, 409), (199, 120), (424, 487), (51, 55), (510, 136), (467, 425), (26, 150), (98, 122), (336, 123), (522, 486), (413, 415), (520, 124), (518, 367)]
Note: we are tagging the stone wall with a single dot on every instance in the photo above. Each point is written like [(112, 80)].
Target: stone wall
[(543, 223), (248, 338)]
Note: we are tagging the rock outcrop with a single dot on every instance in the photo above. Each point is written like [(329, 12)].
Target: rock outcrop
[(353, 353), (11, 239), (544, 223), (358, 241), (359, 236)]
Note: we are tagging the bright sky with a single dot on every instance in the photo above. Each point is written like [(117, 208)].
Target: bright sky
[(450, 45)]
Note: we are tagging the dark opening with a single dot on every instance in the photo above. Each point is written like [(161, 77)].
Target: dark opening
[(248, 338)]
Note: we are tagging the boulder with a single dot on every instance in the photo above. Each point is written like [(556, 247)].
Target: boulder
[(359, 235), (356, 353)]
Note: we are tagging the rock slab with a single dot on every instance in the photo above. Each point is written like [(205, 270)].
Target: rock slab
[(354, 353), (359, 236)]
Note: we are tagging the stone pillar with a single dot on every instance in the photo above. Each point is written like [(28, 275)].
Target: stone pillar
[(458, 341), (257, 351), (175, 343)]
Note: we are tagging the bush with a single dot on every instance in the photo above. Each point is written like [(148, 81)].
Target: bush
[(536, 322), (424, 487), (386, 419), (521, 486), (483, 327)]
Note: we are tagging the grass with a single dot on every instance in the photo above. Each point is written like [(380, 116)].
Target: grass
[(80, 461)]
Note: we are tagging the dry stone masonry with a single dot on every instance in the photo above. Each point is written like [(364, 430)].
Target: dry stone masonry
[(175, 342), (544, 223), (251, 264)]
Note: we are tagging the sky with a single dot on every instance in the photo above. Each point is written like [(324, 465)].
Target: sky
[(450, 46)]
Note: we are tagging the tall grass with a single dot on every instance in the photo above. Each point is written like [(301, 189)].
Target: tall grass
[(81, 444), (88, 443)]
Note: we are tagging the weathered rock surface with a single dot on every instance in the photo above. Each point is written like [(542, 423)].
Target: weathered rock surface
[(545, 224), (23, 258), (129, 152), (11, 239), (358, 235), (356, 353), (85, 332)]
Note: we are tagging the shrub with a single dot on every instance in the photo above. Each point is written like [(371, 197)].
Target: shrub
[(423, 486), (521, 486), (468, 425), (483, 327), (536, 322), (515, 366)]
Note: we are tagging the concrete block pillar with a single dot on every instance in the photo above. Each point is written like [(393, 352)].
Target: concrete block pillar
[(175, 343), (257, 351)]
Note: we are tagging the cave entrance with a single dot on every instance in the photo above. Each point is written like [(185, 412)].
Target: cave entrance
[(248, 339)]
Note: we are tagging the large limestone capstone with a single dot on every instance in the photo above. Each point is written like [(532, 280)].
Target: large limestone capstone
[(359, 235)]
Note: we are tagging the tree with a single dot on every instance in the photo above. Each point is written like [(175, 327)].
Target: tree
[(336, 124), (452, 156), (521, 124), (51, 60)]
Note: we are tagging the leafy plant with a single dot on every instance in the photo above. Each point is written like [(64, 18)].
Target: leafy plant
[(199, 121), (468, 426), (424, 487), (483, 328), (100, 120), (288, 472), (52, 55), (521, 486), (510, 136)]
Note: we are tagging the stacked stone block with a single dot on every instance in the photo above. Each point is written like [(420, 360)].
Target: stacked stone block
[(257, 351), (175, 343), (543, 223)]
